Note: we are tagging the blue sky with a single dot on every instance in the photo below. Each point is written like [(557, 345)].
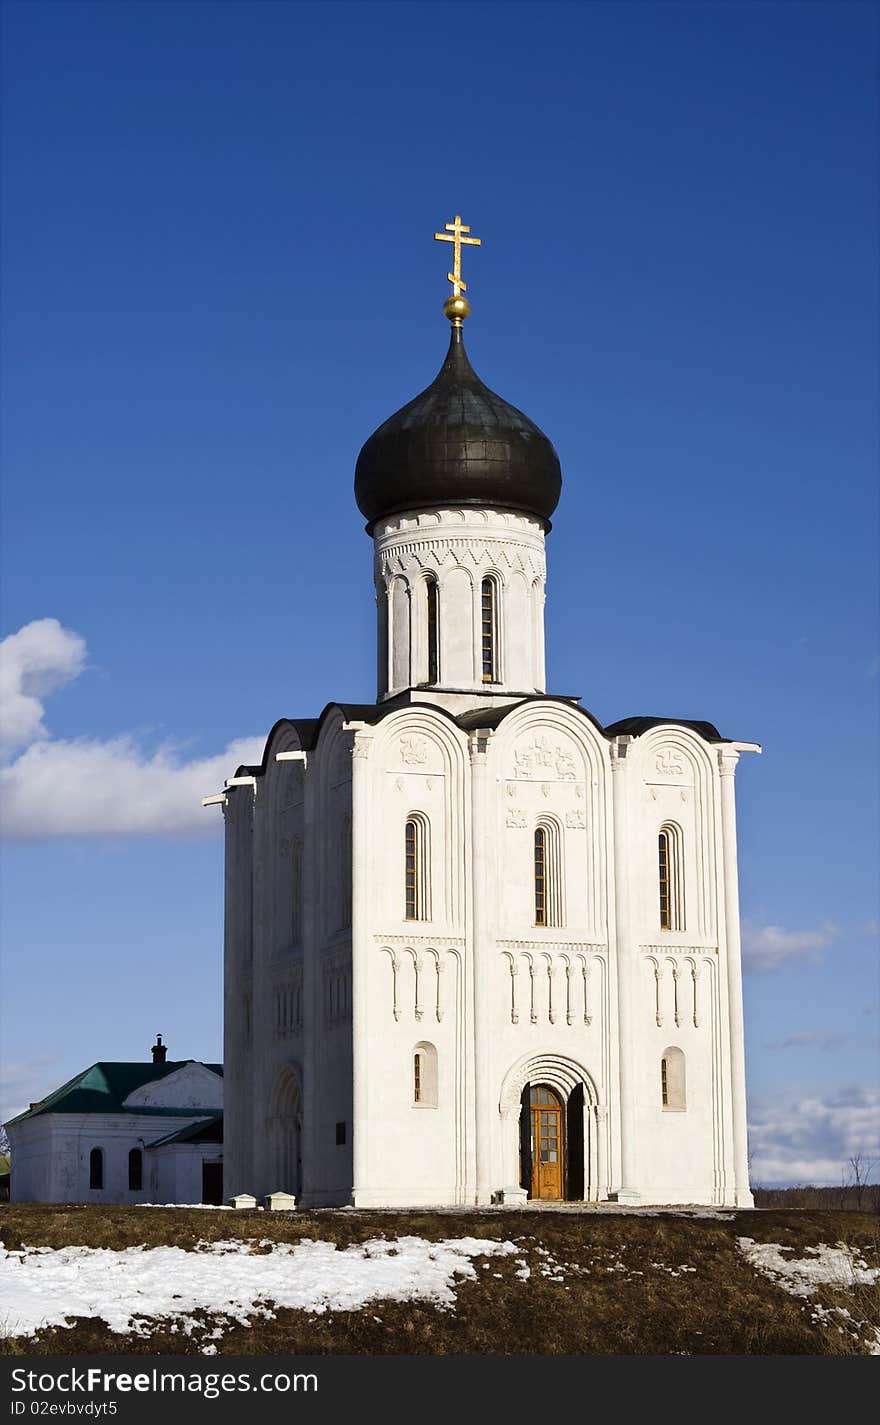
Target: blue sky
[(220, 277)]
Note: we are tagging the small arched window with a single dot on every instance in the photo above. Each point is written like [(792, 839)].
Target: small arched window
[(433, 630), (670, 873), (489, 630), (417, 868), (672, 1081), (548, 874), (96, 1168), (424, 1076), (135, 1170)]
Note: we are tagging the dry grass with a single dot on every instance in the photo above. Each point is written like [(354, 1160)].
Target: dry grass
[(600, 1283)]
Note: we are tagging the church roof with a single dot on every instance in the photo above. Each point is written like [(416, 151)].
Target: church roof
[(309, 729), (635, 726), (457, 443), (104, 1087)]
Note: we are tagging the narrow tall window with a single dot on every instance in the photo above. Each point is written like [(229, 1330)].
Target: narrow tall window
[(488, 620), (345, 873), (417, 868), (417, 1078), (135, 1170), (433, 633), (296, 891), (548, 869), (96, 1168), (540, 876), (411, 853), (665, 915), (670, 876)]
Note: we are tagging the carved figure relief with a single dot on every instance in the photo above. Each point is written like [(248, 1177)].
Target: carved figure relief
[(413, 751), (540, 754), (670, 763), (515, 817)]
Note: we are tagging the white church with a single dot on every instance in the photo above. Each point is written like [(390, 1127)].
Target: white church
[(478, 947)]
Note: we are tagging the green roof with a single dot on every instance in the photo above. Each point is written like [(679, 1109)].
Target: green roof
[(104, 1087)]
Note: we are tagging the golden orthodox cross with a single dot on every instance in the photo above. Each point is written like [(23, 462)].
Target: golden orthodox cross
[(455, 234)]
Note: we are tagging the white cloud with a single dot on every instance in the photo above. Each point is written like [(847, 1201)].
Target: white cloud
[(42, 656), (92, 787), (115, 789), (808, 1140), (770, 947), (827, 1039)]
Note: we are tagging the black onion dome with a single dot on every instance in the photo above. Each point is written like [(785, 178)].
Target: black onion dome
[(460, 444)]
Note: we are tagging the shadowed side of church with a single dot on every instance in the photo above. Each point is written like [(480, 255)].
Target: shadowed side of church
[(478, 947)]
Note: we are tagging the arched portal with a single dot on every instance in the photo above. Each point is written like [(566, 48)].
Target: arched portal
[(285, 1131), (554, 1130)]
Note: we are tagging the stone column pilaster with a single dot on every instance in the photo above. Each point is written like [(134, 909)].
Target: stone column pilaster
[(481, 951), (360, 952), (626, 951), (727, 760)]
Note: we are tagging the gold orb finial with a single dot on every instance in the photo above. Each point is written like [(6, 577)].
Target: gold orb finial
[(457, 307)]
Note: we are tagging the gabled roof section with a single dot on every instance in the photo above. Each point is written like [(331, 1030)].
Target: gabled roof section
[(207, 1130), (635, 726), (308, 730), (104, 1087)]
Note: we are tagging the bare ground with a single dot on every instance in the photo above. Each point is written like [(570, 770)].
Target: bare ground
[(601, 1283)]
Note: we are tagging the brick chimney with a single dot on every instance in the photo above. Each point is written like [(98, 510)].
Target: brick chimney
[(159, 1050)]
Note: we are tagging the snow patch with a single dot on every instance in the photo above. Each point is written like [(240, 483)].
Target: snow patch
[(128, 1288), (802, 1276)]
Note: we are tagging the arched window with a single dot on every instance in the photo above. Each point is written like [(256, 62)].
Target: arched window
[(296, 899), (670, 876), (540, 876), (96, 1168), (417, 868), (135, 1170), (489, 630), (672, 1085), (548, 874), (433, 630), (424, 1076), (345, 873)]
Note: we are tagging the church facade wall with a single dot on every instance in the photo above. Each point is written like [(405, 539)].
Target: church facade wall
[(600, 998)]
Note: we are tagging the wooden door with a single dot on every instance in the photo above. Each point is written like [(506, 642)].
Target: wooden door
[(547, 1143)]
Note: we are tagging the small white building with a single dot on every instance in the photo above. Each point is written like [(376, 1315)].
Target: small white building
[(478, 946), (124, 1133)]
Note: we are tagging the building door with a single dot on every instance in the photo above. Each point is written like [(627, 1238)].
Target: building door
[(547, 1142), (212, 1183)]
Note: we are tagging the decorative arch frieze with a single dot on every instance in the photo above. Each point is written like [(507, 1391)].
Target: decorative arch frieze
[(417, 983), (550, 985)]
